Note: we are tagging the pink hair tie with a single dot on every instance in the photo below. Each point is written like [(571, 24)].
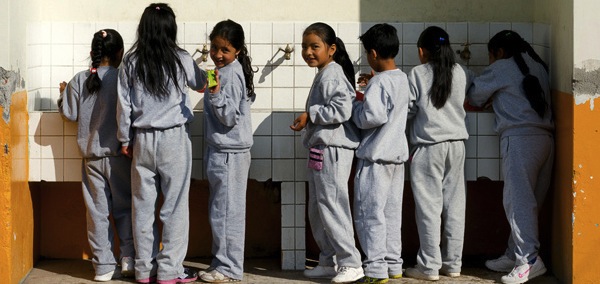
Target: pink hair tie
[(94, 70), (157, 8), (103, 33)]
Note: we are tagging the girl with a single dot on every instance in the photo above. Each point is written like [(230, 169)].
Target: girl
[(517, 83), (153, 115), (437, 134), (91, 100), (331, 138), (228, 134)]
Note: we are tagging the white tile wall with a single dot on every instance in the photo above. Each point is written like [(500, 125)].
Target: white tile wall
[(56, 51)]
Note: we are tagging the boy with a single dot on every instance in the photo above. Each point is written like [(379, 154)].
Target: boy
[(379, 183)]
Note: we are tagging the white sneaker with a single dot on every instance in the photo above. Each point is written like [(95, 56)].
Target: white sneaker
[(449, 274), (525, 272), (347, 274), (418, 274), (320, 271), (128, 266), (115, 274), (501, 264)]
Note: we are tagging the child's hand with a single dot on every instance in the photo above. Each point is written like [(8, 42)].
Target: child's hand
[(360, 96), (127, 151), (62, 86), (216, 88), (300, 122), (363, 78)]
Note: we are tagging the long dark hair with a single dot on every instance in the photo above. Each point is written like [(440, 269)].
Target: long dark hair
[(234, 34), (514, 46), (441, 57), (156, 50), (327, 34), (106, 43)]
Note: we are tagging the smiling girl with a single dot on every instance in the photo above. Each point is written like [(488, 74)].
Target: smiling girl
[(331, 138)]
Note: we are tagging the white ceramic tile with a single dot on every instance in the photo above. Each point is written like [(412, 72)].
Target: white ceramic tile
[(297, 56), (349, 32), (287, 192), (62, 33), (498, 27), (262, 54), (59, 74), (541, 34), (197, 171), (398, 59), (436, 24), (471, 169), (488, 147), (485, 123), (54, 99), (283, 170), (35, 150), (52, 147), (355, 51), (525, 30), (260, 169), (71, 149), (471, 147), (81, 56), (410, 55), (300, 215), (69, 128), (299, 28), (247, 29), (300, 192), (263, 99), (51, 170), (283, 147), (300, 96), (287, 238), (300, 238), (83, 33), (278, 55), (288, 260), (128, 31), (261, 123), (261, 148), (62, 55), (300, 169), (39, 33), (34, 56), (283, 76), (283, 99), (300, 259), (479, 55), (479, 32), (34, 78), (544, 53), (196, 33), (260, 32), (304, 76), (264, 77), (411, 32), (282, 122), (35, 170), (458, 32), (399, 28), (51, 124), (72, 169), (283, 33), (287, 216), (45, 98), (471, 123), (488, 168), (300, 151), (105, 25), (196, 124)]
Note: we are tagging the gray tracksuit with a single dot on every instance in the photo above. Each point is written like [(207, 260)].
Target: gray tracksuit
[(329, 108), (228, 134), (379, 181), (437, 169), (526, 146), (106, 178), (162, 162)]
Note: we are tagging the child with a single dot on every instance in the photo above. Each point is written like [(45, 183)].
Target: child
[(379, 182), (517, 83), (153, 115), (228, 134), (438, 133), (331, 138), (90, 98)]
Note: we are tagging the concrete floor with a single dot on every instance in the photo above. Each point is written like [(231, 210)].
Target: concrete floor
[(256, 271)]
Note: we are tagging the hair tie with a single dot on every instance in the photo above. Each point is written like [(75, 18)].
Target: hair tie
[(442, 39), (103, 33), (157, 8), (94, 70)]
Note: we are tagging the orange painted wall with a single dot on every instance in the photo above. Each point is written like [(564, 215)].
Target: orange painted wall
[(16, 211), (586, 192)]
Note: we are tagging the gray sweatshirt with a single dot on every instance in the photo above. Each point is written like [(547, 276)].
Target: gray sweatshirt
[(95, 113), (502, 81), (430, 125), (227, 120), (329, 108), (139, 109), (381, 116)]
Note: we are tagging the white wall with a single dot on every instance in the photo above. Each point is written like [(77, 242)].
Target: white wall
[(4, 34)]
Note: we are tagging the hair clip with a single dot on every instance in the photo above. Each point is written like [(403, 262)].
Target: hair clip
[(442, 39), (93, 70), (103, 33)]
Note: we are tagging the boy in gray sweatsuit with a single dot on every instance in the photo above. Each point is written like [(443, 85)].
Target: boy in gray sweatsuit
[(379, 182)]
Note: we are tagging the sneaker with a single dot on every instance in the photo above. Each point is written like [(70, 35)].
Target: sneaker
[(418, 274), (395, 276), (320, 271), (127, 266), (115, 274), (215, 276), (501, 264), (188, 276), (347, 274), (525, 272), (449, 274), (372, 280), (208, 270)]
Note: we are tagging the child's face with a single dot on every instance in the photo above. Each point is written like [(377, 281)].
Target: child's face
[(315, 52), (222, 52)]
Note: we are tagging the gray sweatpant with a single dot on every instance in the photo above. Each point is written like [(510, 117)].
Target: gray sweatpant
[(378, 196), (329, 208), (438, 185), (228, 178), (162, 163), (106, 184), (527, 166)]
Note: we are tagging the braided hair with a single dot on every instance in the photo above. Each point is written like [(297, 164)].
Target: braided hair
[(106, 43)]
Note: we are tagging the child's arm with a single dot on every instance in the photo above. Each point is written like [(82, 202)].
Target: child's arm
[(413, 93), (125, 132), (337, 109), (483, 88), (300, 122), (68, 102), (225, 99), (372, 112), (196, 77)]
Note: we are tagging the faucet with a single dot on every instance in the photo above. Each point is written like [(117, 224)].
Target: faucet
[(287, 52), (465, 54), (204, 52)]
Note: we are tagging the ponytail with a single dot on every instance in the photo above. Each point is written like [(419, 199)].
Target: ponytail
[(441, 57), (246, 62), (341, 57), (105, 44)]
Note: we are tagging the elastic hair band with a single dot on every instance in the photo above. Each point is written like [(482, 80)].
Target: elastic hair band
[(442, 39), (94, 70), (103, 33), (157, 8)]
